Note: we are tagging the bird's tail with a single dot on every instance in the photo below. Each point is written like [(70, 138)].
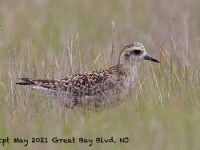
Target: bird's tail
[(47, 84), (25, 81)]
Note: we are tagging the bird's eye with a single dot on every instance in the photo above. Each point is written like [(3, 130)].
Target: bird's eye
[(137, 52)]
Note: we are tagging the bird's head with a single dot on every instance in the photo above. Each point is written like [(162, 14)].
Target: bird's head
[(134, 52)]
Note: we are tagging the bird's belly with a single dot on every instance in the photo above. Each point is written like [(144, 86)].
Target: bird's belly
[(67, 98)]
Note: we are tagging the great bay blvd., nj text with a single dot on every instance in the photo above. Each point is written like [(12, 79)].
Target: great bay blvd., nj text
[(57, 140)]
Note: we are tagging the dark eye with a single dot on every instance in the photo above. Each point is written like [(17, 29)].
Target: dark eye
[(137, 52)]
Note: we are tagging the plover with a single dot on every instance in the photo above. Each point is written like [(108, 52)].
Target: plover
[(103, 85)]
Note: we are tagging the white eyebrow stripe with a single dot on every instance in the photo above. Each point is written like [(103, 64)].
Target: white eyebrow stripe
[(136, 48)]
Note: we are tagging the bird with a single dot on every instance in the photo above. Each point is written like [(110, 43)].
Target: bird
[(102, 85)]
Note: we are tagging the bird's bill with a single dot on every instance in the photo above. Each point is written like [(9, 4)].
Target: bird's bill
[(148, 57)]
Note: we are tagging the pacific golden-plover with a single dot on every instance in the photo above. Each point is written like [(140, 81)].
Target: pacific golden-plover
[(103, 85)]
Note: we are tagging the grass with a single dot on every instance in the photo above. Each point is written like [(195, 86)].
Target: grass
[(52, 39)]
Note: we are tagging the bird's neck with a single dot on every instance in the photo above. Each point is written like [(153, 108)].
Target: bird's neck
[(128, 69)]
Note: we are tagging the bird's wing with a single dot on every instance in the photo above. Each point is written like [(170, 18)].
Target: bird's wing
[(94, 82), (80, 84)]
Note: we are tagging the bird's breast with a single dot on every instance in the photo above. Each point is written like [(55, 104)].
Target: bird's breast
[(129, 81)]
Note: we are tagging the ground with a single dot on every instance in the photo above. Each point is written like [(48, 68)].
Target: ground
[(54, 39)]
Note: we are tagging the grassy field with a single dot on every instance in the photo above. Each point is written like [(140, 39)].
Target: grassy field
[(54, 39)]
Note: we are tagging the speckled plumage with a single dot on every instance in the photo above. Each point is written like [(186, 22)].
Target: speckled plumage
[(102, 85)]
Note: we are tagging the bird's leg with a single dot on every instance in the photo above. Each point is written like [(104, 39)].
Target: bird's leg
[(62, 113)]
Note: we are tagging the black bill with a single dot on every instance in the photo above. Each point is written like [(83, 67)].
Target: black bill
[(147, 57)]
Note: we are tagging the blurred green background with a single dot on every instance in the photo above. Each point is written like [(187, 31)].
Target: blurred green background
[(54, 39)]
